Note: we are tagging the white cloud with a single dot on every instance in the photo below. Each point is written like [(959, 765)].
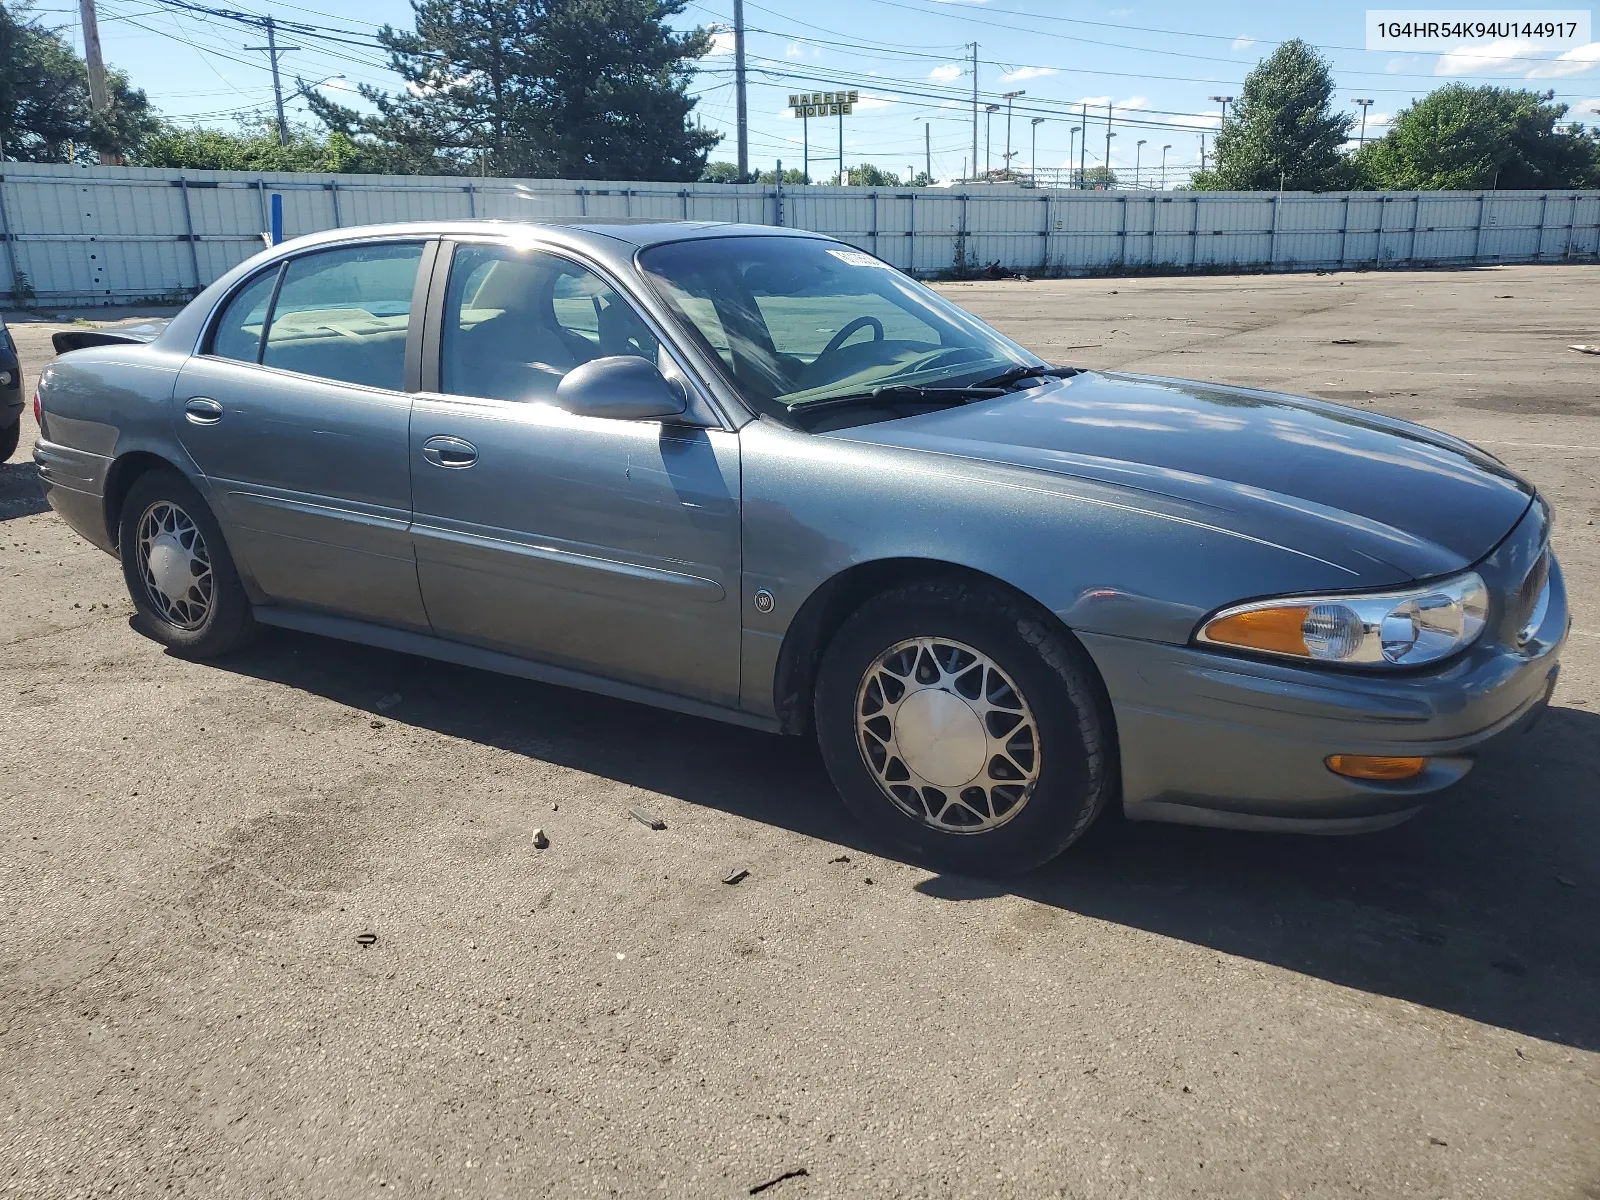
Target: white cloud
[(1022, 73), (1243, 42), (1134, 102), (1587, 111), (1093, 101), (1517, 56), (945, 73), (794, 50), (338, 84), (866, 102), (721, 43)]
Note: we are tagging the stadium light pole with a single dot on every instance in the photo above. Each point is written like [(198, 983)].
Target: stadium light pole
[(1365, 104), (1033, 154), (1109, 136), (1224, 101), (1164, 150), (988, 137), (1072, 148)]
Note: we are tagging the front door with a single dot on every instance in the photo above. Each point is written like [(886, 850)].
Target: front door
[(297, 413), (610, 547)]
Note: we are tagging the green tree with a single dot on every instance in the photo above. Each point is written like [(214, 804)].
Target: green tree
[(255, 146), (1099, 177), (1460, 138), (1283, 131), (720, 172), (582, 89), (868, 175), (792, 175), (45, 112)]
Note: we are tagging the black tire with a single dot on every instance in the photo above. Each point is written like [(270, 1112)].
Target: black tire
[(10, 435), (226, 622), (1074, 771)]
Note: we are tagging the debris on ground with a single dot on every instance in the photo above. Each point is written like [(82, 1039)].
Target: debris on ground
[(840, 858), (388, 702), (647, 817), (758, 1188), (377, 724), (737, 875), (1585, 349), (540, 842), (869, 880), (1344, 341), (1565, 882), (366, 940)]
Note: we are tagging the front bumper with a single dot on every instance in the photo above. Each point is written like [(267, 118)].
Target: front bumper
[(1209, 738)]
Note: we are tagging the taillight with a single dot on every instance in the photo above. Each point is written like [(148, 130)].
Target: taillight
[(38, 410)]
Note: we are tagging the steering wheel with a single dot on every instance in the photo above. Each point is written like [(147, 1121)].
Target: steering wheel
[(843, 335)]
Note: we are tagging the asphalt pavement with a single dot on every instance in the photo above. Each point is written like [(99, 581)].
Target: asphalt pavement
[(278, 926)]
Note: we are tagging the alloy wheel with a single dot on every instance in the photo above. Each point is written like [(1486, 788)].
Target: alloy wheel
[(948, 735), (175, 565)]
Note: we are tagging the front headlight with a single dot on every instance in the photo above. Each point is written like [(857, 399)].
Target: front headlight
[(1400, 629)]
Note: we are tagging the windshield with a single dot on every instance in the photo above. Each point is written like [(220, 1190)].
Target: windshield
[(798, 320)]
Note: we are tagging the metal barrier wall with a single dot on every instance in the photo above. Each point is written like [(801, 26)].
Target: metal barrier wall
[(106, 235)]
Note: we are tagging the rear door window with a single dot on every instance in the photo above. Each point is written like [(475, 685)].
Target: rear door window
[(238, 332), (343, 315)]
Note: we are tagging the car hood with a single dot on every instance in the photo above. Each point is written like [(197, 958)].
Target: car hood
[(1385, 499)]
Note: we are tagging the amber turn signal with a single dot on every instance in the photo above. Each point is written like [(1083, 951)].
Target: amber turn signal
[(1376, 766), (1278, 630)]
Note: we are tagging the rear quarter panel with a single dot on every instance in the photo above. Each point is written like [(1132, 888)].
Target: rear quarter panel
[(99, 405)]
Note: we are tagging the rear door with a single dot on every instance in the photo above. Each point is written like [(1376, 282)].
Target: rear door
[(297, 411), (607, 546)]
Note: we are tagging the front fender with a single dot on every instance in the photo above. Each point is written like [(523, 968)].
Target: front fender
[(1103, 559)]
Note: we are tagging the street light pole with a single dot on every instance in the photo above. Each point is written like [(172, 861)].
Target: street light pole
[(1083, 147), (1033, 154), (1138, 154), (1365, 104), (1164, 150), (1224, 101), (1109, 136), (1008, 97), (988, 137)]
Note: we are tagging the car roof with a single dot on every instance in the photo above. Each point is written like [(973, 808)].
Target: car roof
[(600, 233)]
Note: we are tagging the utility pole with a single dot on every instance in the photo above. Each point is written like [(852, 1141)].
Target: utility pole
[(1033, 155), (927, 150), (1008, 98), (989, 111), (1365, 104), (974, 46), (1202, 152), (1083, 148), (273, 51), (740, 103), (98, 97), (1109, 136)]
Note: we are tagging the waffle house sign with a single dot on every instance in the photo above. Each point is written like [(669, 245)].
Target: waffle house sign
[(823, 104)]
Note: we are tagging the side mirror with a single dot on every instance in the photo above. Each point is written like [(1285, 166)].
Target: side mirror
[(624, 387)]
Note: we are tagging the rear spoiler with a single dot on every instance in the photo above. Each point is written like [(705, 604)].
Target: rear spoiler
[(125, 333)]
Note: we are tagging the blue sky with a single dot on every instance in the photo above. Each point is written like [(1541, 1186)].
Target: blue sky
[(1157, 63)]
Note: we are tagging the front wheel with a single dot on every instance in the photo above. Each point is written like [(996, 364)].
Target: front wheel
[(178, 569), (963, 726)]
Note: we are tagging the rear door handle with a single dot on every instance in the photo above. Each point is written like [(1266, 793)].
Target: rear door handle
[(202, 410), (451, 452)]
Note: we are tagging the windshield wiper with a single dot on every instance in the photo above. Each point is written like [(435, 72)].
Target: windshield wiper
[(901, 393), (1017, 374)]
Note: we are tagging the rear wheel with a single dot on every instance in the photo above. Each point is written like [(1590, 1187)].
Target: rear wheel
[(9, 437), (963, 726), (178, 570)]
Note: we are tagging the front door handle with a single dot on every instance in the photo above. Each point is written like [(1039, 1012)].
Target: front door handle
[(202, 410), (451, 452)]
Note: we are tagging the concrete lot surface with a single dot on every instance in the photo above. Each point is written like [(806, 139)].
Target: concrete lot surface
[(189, 853)]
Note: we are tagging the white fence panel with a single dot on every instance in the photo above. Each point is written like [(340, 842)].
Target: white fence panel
[(104, 235)]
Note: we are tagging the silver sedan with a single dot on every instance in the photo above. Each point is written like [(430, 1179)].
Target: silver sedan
[(760, 476)]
